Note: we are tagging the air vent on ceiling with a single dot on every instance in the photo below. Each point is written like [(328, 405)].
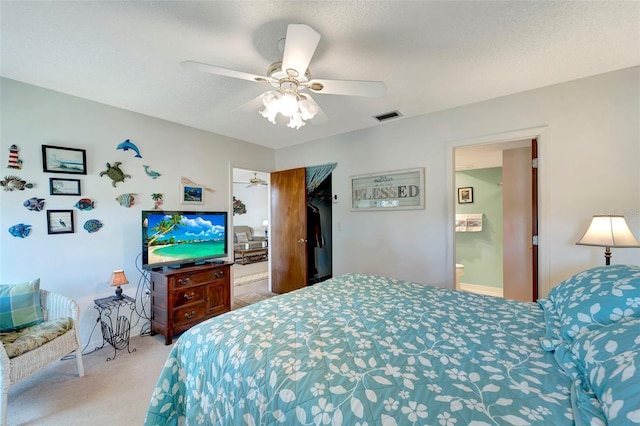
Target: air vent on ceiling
[(388, 116)]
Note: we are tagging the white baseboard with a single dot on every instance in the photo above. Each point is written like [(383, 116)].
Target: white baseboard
[(481, 289)]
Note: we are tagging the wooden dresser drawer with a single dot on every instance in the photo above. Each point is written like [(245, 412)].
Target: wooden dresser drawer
[(186, 295), (193, 278), (188, 313)]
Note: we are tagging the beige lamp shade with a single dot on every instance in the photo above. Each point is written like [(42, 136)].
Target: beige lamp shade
[(117, 279), (609, 231)]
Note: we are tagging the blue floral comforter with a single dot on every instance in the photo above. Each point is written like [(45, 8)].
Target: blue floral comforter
[(365, 350)]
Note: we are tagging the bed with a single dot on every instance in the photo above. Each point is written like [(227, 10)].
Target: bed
[(369, 350)]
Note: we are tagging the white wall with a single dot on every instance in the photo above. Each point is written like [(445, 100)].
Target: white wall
[(79, 265), (589, 144)]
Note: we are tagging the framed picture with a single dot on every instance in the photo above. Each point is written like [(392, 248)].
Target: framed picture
[(56, 159), (60, 222), (64, 186), (394, 190), (465, 195), (191, 194)]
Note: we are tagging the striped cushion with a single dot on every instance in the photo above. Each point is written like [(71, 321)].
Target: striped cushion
[(20, 305)]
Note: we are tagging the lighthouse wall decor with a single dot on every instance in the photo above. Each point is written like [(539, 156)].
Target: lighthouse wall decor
[(14, 161)]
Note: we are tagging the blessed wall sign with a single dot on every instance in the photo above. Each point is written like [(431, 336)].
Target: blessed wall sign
[(394, 190)]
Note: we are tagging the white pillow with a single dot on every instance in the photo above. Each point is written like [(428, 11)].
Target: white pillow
[(242, 237)]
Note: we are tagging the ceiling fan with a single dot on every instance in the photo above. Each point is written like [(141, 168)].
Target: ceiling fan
[(254, 181), (292, 80)]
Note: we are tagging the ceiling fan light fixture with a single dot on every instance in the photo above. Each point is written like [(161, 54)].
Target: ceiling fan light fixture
[(289, 103), (296, 121), (308, 110), (271, 101)]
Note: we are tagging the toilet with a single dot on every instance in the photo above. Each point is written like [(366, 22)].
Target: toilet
[(459, 273)]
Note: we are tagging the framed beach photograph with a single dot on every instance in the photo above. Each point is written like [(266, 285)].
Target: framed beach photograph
[(57, 159), (465, 195), (191, 194), (64, 186), (60, 222)]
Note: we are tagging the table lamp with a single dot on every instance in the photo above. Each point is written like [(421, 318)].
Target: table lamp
[(265, 223), (117, 279), (608, 231)]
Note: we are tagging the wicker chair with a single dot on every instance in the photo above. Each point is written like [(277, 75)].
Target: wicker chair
[(13, 370)]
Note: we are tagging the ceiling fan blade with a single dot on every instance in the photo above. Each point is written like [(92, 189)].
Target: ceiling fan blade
[(212, 69), (371, 89), (253, 105), (300, 45)]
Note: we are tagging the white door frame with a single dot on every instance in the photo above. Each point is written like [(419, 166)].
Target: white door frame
[(540, 133)]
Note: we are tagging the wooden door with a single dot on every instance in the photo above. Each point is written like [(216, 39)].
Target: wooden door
[(520, 224), (288, 237)]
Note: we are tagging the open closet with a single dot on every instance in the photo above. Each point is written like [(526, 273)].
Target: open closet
[(300, 239)]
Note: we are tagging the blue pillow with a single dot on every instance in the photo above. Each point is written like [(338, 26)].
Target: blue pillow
[(20, 305), (596, 297), (609, 356)]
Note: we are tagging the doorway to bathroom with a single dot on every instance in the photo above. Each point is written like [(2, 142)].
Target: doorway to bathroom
[(496, 219)]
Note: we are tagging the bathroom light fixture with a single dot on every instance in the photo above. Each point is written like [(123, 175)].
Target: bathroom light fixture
[(608, 231), (118, 278)]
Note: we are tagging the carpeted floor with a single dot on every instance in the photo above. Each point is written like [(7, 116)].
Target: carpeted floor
[(251, 272), (250, 298), (113, 392)]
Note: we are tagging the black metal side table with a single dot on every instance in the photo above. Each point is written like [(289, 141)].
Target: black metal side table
[(116, 334)]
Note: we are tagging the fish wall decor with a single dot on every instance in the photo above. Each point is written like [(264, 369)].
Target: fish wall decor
[(126, 200), (92, 225), (34, 204), (20, 230), (128, 145), (14, 183), (85, 204)]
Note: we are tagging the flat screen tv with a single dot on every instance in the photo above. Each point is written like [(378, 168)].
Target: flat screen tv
[(182, 238)]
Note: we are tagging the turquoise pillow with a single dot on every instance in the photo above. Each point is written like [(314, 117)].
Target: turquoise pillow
[(20, 305), (596, 297), (609, 357)]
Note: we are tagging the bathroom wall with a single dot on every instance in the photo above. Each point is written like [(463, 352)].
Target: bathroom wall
[(481, 252)]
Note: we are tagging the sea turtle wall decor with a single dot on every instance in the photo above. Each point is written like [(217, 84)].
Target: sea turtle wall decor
[(115, 173)]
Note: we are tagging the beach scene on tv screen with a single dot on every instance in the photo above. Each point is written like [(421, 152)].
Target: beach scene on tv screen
[(176, 237)]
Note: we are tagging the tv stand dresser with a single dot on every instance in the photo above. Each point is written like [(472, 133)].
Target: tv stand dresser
[(184, 297)]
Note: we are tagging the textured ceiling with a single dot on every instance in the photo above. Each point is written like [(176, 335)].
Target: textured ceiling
[(431, 55)]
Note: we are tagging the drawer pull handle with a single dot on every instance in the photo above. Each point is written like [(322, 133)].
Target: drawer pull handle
[(189, 296), (184, 281), (189, 316), (219, 274)]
